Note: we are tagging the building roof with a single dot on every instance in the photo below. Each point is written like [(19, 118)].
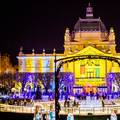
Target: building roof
[(90, 24)]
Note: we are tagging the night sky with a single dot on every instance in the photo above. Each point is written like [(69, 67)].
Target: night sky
[(42, 24)]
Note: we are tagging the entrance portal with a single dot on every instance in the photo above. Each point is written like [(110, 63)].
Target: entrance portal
[(90, 89)]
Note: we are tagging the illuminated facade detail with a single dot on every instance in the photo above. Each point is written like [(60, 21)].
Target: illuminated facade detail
[(89, 37)]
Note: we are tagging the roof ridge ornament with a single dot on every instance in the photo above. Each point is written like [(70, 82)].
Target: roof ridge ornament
[(43, 51), (54, 51), (89, 4), (21, 50), (89, 11), (33, 51)]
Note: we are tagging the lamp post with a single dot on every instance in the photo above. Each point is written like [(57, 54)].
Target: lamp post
[(56, 90)]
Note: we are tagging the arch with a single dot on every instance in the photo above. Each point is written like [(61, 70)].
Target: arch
[(72, 59), (82, 57)]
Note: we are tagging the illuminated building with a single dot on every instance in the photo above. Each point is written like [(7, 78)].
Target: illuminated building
[(6, 65), (89, 37)]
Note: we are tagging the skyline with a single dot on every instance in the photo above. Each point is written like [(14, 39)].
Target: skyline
[(42, 25)]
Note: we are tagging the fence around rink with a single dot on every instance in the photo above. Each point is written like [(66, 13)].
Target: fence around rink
[(64, 110)]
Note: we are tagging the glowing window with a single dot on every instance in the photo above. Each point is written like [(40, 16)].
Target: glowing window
[(82, 69), (97, 71)]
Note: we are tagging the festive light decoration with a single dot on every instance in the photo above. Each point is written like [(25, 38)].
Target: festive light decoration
[(46, 81), (113, 78)]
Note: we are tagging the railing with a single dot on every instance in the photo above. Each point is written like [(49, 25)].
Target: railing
[(17, 109), (85, 111), (64, 110)]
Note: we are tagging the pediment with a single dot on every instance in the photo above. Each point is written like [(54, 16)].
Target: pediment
[(90, 51)]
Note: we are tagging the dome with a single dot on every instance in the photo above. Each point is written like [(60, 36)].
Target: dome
[(90, 25)]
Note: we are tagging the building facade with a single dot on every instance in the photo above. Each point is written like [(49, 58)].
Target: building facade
[(89, 37)]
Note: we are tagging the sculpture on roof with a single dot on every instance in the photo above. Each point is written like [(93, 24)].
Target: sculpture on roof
[(67, 35), (111, 34)]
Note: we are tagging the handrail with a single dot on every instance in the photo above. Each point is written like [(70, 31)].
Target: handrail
[(64, 110)]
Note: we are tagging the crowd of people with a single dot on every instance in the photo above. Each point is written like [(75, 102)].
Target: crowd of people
[(39, 115), (97, 95), (17, 102)]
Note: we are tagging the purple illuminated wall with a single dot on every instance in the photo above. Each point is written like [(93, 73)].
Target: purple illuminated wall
[(112, 77), (47, 80)]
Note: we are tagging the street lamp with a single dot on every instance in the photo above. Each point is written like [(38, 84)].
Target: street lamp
[(56, 90)]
